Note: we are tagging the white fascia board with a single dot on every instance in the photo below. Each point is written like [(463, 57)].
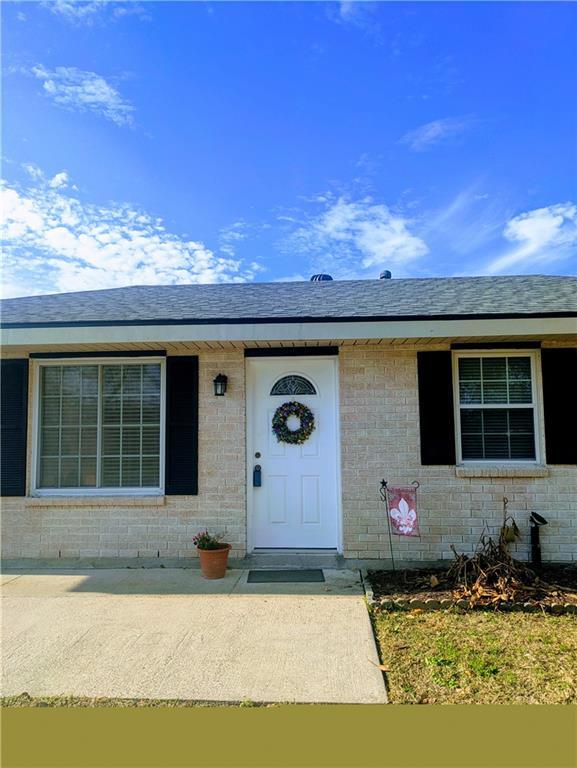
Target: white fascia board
[(311, 331)]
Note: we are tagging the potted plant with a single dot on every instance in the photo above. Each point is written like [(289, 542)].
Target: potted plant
[(213, 554)]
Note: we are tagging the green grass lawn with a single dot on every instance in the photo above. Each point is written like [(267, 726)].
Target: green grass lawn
[(449, 657), (24, 700)]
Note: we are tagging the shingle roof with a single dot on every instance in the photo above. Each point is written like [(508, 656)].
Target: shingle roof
[(453, 297)]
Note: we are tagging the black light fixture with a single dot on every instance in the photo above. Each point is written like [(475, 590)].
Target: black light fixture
[(220, 383), (536, 521)]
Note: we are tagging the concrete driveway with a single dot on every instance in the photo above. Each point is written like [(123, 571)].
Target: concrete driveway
[(170, 634)]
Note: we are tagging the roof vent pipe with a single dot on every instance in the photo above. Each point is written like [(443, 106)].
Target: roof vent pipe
[(385, 275), (320, 278)]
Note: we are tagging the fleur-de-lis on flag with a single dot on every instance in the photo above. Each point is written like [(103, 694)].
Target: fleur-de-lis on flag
[(402, 512)]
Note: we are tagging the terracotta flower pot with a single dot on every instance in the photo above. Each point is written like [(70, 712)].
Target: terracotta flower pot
[(213, 562)]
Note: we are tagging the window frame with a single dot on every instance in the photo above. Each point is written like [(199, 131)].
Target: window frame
[(35, 490), (534, 357)]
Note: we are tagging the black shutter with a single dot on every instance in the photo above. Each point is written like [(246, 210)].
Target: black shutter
[(436, 415), (559, 369), (181, 425), (13, 426)]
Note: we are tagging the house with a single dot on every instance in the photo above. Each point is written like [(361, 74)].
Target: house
[(133, 417)]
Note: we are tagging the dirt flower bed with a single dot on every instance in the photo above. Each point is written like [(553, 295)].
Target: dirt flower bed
[(552, 585)]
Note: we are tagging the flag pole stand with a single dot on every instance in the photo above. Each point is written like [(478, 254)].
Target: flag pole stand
[(416, 485), (385, 498)]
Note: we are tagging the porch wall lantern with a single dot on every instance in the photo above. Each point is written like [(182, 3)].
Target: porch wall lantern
[(220, 383)]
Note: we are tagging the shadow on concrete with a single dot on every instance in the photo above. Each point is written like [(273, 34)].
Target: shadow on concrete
[(168, 581)]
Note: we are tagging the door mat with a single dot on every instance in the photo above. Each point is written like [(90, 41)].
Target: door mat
[(286, 576)]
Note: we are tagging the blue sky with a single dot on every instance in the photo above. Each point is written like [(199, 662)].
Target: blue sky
[(184, 142)]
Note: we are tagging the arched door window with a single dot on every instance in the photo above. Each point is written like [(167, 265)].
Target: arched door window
[(293, 385)]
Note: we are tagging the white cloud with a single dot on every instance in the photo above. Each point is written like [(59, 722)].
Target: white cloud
[(351, 12), (435, 132), (54, 242), (88, 12), (59, 180), (119, 10), (539, 237), (354, 13), (349, 238), (296, 278), (467, 225), (230, 236), (77, 11), (241, 230), (33, 171), (84, 92)]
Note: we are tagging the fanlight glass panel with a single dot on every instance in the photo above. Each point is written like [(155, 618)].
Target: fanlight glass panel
[(293, 385)]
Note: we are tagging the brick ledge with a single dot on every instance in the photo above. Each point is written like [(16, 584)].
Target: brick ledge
[(527, 470), (95, 501)]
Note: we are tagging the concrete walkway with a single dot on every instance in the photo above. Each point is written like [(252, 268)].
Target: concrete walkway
[(170, 634)]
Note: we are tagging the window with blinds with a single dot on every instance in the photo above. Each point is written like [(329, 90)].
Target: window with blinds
[(99, 426), (496, 407)]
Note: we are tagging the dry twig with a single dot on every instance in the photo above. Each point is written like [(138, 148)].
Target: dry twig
[(492, 576)]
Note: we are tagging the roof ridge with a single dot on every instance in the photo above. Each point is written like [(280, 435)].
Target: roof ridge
[(276, 284)]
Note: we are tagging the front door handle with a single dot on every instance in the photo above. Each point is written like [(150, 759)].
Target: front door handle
[(257, 476)]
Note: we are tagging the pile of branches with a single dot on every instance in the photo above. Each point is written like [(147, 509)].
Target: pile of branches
[(491, 577)]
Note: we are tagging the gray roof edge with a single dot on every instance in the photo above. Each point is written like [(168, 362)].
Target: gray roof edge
[(288, 320)]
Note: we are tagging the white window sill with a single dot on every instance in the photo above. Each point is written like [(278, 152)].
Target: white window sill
[(96, 500), (502, 470)]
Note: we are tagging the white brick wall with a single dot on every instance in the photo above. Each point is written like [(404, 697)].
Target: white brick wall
[(379, 438), (144, 527)]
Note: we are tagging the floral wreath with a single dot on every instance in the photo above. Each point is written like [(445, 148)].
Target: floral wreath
[(297, 436)]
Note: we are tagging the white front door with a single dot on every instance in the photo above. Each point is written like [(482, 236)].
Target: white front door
[(296, 505)]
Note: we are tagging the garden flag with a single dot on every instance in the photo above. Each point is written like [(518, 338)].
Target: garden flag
[(403, 511)]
